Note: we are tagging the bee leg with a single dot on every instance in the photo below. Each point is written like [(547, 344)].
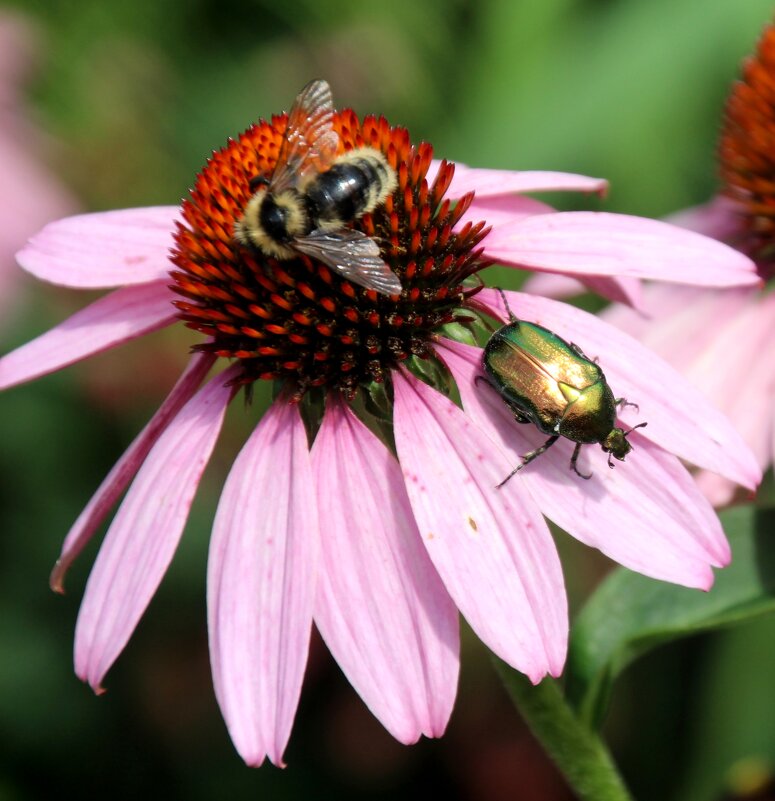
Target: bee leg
[(574, 459), (624, 402), (528, 457), (257, 181)]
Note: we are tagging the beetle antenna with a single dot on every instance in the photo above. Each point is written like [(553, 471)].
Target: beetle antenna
[(512, 316), (640, 425)]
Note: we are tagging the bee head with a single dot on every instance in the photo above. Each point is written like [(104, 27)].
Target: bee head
[(270, 222)]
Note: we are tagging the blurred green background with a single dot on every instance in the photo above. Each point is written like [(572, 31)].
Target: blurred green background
[(128, 100)]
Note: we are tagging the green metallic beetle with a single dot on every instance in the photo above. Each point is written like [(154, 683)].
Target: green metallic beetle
[(549, 382)]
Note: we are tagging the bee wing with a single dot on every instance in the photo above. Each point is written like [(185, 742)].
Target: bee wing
[(352, 254), (310, 141)]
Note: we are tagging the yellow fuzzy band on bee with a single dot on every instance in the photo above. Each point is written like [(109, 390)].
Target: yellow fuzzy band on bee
[(388, 182), (296, 220)]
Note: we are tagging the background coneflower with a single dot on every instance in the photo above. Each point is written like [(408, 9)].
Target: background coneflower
[(722, 340)]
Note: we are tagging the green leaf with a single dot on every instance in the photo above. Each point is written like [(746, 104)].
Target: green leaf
[(630, 614), (731, 722)]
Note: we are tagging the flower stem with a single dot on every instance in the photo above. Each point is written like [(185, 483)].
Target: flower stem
[(577, 750)]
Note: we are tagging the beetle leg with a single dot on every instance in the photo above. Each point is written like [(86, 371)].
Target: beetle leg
[(519, 415), (479, 378), (574, 459), (624, 402), (579, 352), (512, 317), (528, 457)]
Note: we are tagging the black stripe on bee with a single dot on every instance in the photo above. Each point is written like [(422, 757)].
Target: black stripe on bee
[(354, 185)]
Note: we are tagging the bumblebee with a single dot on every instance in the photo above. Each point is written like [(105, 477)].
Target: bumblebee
[(313, 195)]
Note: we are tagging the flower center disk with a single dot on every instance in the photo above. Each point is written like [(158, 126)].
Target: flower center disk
[(747, 155), (297, 320)]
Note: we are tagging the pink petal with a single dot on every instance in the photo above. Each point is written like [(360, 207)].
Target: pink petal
[(679, 419), (744, 389), (261, 579), (676, 321), (616, 288), (772, 429), (719, 491), (125, 468), (771, 418), (103, 250), (503, 210), (119, 317), (490, 546), (507, 209), (555, 285), (31, 196), (696, 330), (719, 219), (381, 606), (646, 514), (598, 243), (489, 183), (146, 530)]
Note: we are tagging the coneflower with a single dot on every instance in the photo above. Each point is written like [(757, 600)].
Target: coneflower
[(366, 497)]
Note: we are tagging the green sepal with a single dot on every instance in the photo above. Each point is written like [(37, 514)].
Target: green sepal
[(311, 408), (432, 371), (630, 614), (373, 406), (378, 401), (461, 332)]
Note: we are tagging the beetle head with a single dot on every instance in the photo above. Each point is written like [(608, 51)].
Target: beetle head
[(616, 444)]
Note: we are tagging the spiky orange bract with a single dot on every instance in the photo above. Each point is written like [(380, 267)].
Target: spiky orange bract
[(747, 151), (297, 319)]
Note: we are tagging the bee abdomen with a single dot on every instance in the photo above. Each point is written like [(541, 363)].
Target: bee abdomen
[(355, 185)]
